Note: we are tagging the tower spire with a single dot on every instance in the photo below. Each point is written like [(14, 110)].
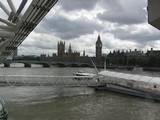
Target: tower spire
[(99, 47), (70, 49)]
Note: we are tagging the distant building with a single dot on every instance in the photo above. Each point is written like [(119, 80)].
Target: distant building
[(84, 53), (134, 53), (70, 50), (43, 57), (152, 52), (153, 58), (54, 55), (99, 47), (69, 56), (135, 57), (61, 49)]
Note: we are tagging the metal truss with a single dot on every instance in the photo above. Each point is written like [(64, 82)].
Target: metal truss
[(17, 27)]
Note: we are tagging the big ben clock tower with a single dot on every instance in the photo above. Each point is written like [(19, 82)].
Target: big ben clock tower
[(99, 47)]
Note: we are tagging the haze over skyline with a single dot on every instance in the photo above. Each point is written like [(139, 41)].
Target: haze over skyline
[(122, 24)]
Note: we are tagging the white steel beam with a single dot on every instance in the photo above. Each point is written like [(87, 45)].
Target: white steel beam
[(11, 5), (5, 34), (7, 22), (7, 28), (22, 5), (31, 18), (4, 8)]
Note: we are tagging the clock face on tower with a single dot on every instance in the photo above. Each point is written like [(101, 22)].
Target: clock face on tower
[(97, 45), (100, 45)]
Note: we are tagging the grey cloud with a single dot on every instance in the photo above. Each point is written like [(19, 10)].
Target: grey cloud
[(70, 5), (68, 29), (33, 51), (107, 45), (111, 4), (37, 46), (40, 43), (121, 18), (141, 37), (123, 11)]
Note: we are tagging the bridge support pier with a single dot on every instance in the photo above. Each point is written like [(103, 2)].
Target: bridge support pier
[(7, 65), (27, 65), (45, 65)]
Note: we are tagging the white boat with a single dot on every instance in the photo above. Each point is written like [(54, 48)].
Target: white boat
[(83, 74)]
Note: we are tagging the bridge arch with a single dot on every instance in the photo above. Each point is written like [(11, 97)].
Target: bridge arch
[(6, 65), (73, 65), (61, 65), (85, 65), (27, 65), (45, 65)]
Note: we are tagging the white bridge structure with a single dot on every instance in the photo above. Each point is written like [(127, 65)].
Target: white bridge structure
[(18, 26)]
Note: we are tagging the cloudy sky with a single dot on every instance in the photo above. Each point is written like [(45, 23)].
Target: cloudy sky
[(122, 24)]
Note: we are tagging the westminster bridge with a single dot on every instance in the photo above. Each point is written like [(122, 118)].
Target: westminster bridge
[(45, 64)]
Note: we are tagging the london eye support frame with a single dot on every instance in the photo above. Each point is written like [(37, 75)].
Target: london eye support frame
[(18, 26)]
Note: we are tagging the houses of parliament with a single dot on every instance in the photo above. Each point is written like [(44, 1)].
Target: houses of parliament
[(61, 50), (115, 58), (71, 56), (70, 53)]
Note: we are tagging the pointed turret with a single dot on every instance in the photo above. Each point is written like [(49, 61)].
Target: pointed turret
[(99, 39), (61, 49), (70, 50), (84, 53)]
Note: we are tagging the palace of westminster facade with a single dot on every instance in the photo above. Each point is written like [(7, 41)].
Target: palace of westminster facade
[(70, 53), (151, 58)]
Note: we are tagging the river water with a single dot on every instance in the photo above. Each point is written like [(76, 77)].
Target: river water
[(57, 103)]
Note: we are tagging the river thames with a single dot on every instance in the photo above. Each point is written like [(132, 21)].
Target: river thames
[(57, 103)]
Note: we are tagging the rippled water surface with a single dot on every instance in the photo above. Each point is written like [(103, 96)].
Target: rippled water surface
[(57, 103)]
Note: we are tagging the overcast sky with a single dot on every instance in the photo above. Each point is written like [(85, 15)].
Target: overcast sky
[(122, 24)]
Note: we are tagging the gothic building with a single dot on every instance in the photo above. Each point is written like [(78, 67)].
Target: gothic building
[(99, 47), (70, 50), (84, 53), (61, 49)]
